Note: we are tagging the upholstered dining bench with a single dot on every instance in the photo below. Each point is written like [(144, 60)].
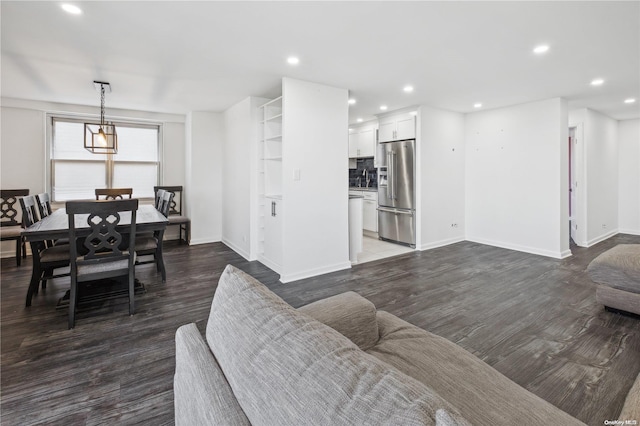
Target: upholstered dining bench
[(617, 273)]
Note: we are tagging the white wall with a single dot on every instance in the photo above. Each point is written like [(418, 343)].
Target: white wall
[(239, 166), (440, 165), (516, 178), (629, 176), (315, 208), (203, 165), (23, 143)]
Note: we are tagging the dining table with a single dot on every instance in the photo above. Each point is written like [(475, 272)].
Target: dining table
[(56, 226)]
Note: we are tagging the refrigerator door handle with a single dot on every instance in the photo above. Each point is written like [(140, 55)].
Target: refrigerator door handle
[(393, 171), (390, 174), (382, 209)]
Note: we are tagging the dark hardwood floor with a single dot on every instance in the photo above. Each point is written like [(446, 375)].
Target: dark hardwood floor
[(533, 318)]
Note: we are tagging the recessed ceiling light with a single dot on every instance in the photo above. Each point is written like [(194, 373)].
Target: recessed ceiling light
[(292, 60), (359, 120), (408, 89), (629, 101), (477, 105), (352, 101), (383, 107), (597, 82), (543, 48), (69, 8)]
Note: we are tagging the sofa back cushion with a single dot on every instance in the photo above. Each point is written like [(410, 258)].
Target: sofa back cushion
[(286, 368), (350, 314)]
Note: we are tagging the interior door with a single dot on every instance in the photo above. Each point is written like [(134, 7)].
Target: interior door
[(572, 185)]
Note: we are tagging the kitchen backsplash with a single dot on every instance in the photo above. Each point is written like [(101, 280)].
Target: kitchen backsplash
[(363, 173)]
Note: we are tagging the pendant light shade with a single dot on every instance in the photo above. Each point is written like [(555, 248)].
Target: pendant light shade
[(101, 138)]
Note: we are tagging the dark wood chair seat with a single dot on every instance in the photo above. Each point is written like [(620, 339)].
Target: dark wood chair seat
[(11, 221), (10, 232)]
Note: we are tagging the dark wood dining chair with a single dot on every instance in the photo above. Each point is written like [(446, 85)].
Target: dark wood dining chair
[(176, 218), (44, 204), (159, 198), (45, 259), (113, 193), (44, 208), (10, 221), (151, 245), (107, 254)]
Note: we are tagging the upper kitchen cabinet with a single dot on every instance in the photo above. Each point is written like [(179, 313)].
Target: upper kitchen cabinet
[(362, 141), (397, 127)]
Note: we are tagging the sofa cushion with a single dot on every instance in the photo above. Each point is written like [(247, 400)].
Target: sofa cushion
[(348, 313), (618, 267), (286, 368), (479, 392)]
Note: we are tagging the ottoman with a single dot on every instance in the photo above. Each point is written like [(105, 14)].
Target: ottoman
[(617, 273)]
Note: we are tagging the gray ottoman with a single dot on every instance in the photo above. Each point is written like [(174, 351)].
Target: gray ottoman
[(617, 272)]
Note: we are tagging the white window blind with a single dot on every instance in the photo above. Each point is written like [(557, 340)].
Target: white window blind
[(76, 173)]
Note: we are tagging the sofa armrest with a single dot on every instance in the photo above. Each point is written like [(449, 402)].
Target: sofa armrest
[(201, 392), (349, 314), (631, 409)]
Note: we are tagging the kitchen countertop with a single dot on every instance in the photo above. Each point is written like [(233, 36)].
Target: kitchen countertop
[(362, 188)]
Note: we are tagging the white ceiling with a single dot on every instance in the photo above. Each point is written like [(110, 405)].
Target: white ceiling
[(184, 56)]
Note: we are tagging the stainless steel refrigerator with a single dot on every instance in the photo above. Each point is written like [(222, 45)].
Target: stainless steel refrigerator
[(396, 192)]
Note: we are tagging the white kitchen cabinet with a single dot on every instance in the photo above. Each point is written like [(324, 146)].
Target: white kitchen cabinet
[(362, 142), (397, 127), (370, 211)]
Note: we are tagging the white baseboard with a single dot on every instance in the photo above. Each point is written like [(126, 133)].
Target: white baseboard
[(517, 247), (441, 243), (629, 231), (601, 238), (235, 248), (269, 263), (314, 272), (197, 241)]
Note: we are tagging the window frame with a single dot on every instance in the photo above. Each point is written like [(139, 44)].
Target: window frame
[(110, 162)]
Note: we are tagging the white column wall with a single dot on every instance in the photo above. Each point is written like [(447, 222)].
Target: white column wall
[(629, 176), (203, 165), (239, 174), (315, 207), (516, 178), (601, 157), (441, 173)]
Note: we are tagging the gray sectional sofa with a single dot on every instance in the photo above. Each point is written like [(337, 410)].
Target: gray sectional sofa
[(617, 273), (337, 361)]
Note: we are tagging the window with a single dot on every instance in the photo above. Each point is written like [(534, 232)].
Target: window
[(75, 172)]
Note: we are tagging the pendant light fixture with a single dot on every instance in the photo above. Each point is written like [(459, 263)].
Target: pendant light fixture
[(101, 139)]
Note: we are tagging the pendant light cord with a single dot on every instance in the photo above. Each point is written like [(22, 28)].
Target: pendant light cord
[(102, 105)]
